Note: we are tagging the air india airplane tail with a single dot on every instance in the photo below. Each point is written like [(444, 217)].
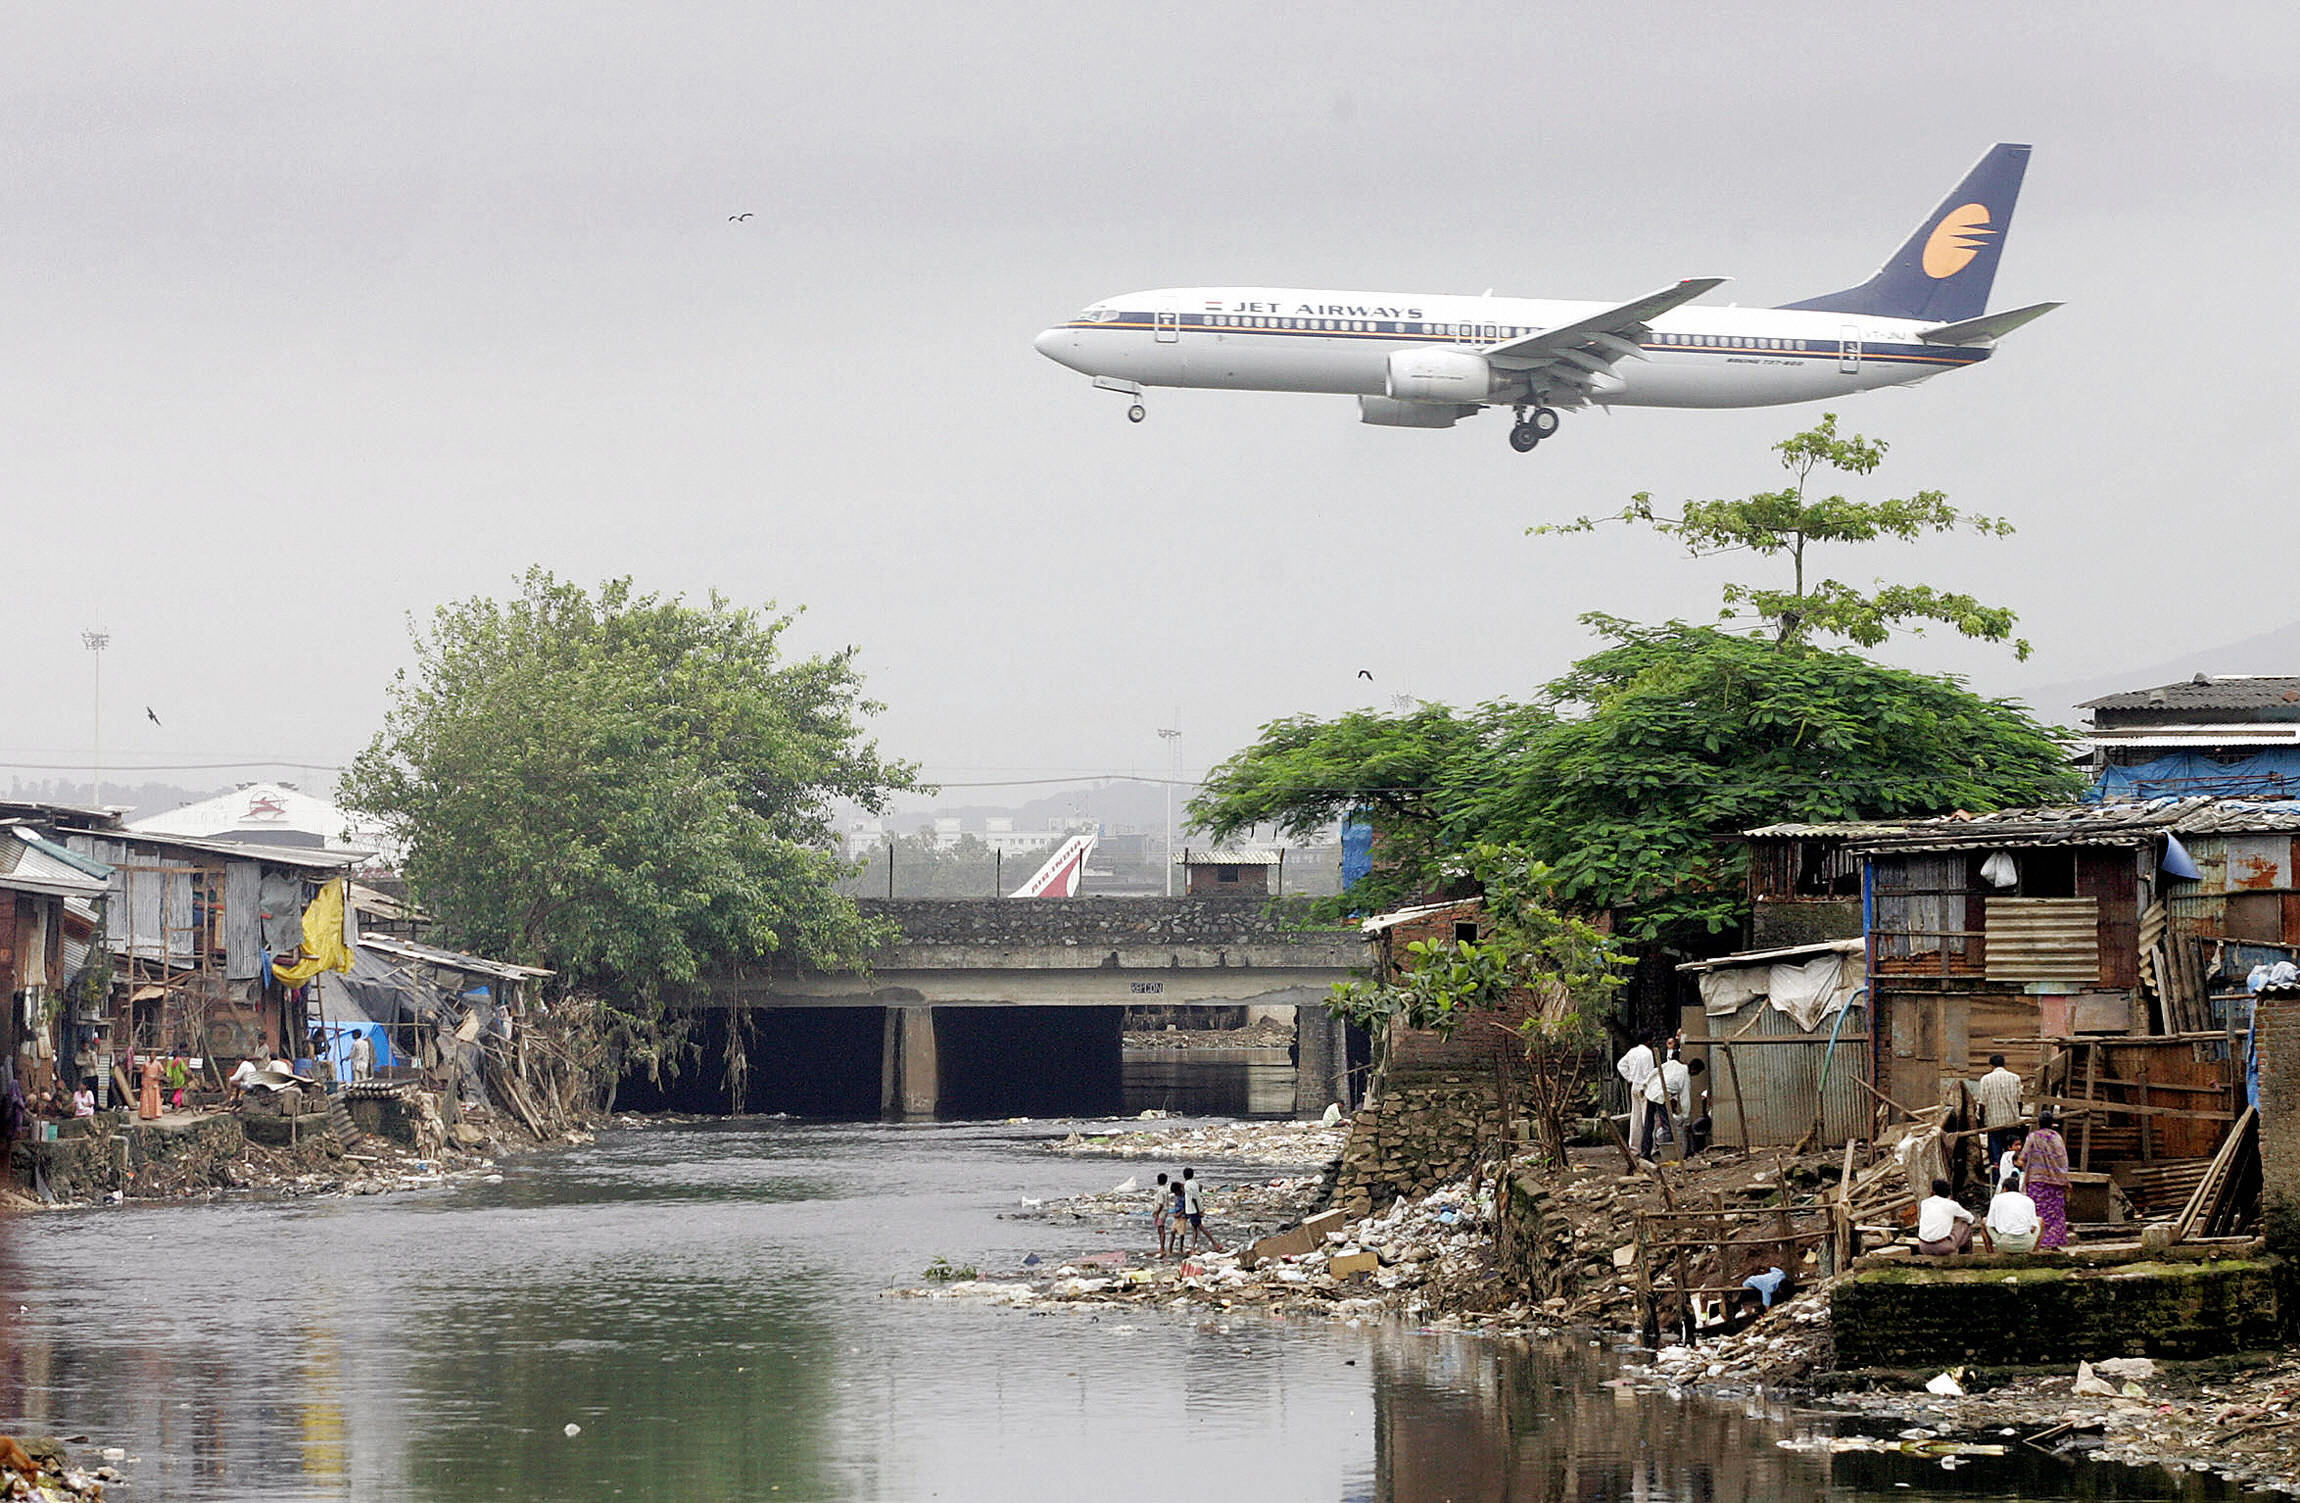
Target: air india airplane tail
[(1943, 274)]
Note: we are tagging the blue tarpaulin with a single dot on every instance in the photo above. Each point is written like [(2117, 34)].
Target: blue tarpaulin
[(1357, 849), (2273, 773)]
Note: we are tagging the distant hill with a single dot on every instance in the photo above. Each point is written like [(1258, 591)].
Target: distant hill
[(2271, 652)]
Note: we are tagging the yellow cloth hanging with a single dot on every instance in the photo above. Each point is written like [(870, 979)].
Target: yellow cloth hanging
[(323, 947)]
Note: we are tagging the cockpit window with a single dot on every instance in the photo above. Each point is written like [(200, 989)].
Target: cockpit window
[(1097, 316)]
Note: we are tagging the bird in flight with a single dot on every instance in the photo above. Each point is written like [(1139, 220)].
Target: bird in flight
[(737, 218), (148, 715), (1366, 673)]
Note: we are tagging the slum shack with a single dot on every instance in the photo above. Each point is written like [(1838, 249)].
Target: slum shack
[(193, 926), (455, 1026)]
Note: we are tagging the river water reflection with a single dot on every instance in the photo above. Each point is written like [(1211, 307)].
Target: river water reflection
[(705, 1302)]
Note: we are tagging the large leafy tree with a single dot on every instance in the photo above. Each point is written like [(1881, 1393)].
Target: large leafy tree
[(1624, 776), (1676, 735), (624, 787)]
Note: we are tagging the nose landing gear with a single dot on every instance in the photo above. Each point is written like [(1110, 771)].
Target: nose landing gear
[(1532, 427), (1135, 411)]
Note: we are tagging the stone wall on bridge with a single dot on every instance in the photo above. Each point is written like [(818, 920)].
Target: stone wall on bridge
[(1120, 923)]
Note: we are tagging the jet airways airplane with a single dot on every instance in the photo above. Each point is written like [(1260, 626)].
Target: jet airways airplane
[(1416, 360)]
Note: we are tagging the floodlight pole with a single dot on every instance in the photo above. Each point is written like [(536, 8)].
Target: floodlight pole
[(1173, 740), (96, 642)]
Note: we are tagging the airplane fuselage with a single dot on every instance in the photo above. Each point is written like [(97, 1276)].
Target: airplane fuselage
[(1341, 343)]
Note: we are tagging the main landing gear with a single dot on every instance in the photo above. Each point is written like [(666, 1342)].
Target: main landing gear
[(1532, 427), (1137, 413)]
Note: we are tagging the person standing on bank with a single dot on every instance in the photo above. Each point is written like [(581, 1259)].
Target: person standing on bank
[(1997, 1094), (1636, 1068), (2044, 1175), (1194, 1210)]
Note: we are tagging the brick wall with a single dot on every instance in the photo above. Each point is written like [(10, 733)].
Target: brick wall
[(2276, 1023)]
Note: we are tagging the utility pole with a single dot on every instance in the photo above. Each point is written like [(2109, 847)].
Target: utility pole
[(96, 641), (1173, 740)]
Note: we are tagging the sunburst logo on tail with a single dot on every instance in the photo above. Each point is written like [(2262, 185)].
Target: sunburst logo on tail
[(1956, 240)]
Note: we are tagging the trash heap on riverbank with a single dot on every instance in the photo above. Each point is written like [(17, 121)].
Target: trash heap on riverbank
[(1235, 1211), (1289, 1144), (2234, 1416), (1266, 1034), (1430, 1259), (39, 1466)]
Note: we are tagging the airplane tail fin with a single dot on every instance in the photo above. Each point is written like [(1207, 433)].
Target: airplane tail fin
[(1944, 271)]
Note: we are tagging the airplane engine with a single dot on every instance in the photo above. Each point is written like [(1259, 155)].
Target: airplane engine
[(1384, 413), (1441, 376)]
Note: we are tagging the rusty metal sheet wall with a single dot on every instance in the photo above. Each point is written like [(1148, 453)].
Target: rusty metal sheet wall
[(2043, 939), (1778, 1082)]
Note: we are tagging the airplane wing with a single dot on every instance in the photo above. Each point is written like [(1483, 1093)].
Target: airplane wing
[(1576, 362), (1622, 324), (1987, 327)]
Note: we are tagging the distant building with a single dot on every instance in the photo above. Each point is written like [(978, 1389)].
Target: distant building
[(2229, 736), (273, 814), (1229, 874)]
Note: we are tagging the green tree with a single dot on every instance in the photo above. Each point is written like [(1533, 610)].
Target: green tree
[(1397, 772), (1675, 736), (1539, 972), (1788, 521), (626, 788), (1629, 771)]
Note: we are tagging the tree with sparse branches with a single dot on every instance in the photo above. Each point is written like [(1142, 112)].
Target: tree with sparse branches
[(1789, 521)]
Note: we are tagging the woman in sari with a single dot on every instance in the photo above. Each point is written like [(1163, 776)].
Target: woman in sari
[(2044, 1175)]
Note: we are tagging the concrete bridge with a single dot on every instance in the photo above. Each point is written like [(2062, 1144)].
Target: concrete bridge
[(1000, 1006)]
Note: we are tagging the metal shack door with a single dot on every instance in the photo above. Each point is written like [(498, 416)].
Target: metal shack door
[(1849, 350), (1169, 327)]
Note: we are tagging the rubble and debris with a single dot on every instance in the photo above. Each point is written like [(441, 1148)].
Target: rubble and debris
[(1268, 1033), (1290, 1144), (40, 1466)]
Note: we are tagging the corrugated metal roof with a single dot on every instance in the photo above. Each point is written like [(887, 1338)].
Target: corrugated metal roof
[(454, 960), (33, 869), (1382, 923), (1226, 858), (1768, 957), (277, 855), (2127, 823), (2245, 733), (2207, 692)]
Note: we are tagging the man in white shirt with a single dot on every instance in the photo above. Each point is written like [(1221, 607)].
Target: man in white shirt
[(1943, 1226), (1637, 1067), (362, 1057), (1997, 1094), (2013, 1222)]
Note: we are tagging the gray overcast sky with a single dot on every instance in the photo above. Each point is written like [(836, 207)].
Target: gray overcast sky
[(317, 316)]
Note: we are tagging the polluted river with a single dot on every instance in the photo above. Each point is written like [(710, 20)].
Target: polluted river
[(699, 1311)]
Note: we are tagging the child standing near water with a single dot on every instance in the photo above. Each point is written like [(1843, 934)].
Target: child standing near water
[(1158, 1213)]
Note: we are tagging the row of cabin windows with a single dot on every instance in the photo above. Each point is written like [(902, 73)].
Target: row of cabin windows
[(1480, 331)]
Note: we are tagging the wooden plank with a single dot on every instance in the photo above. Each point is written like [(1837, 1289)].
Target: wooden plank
[(2106, 1107), (2091, 1077)]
